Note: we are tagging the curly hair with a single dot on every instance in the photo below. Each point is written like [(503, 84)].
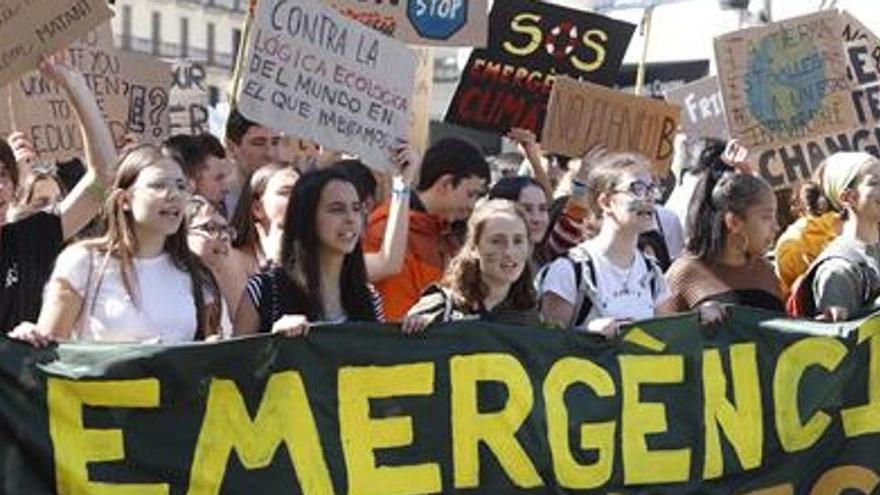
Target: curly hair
[(464, 279)]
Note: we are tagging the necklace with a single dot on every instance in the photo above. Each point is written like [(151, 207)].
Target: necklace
[(622, 277)]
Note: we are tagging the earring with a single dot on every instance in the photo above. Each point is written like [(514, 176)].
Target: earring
[(744, 249)]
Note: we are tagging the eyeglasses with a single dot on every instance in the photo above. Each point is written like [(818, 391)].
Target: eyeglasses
[(214, 229), (642, 190), (180, 187)]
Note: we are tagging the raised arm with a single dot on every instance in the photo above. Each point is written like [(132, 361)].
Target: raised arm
[(84, 202), (529, 144), (389, 260)]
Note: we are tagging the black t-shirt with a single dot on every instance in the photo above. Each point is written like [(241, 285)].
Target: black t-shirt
[(28, 249)]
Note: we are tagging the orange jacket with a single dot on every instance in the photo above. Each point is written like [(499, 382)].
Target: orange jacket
[(430, 245), (800, 244)]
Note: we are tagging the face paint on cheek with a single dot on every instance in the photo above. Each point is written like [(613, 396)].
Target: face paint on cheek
[(634, 205)]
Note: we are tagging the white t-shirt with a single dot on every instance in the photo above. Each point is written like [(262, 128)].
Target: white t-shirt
[(166, 313), (622, 294)]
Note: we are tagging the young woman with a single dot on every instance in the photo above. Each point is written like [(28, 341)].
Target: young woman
[(209, 236), (489, 279), (42, 189), (322, 275), (139, 282), (845, 278), (259, 217), (529, 195), (28, 247), (733, 225), (804, 240), (606, 280)]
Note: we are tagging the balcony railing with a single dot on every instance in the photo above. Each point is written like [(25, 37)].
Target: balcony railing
[(174, 50)]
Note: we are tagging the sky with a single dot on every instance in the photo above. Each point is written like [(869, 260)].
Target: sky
[(684, 30)]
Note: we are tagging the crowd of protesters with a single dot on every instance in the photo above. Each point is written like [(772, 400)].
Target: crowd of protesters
[(181, 247)]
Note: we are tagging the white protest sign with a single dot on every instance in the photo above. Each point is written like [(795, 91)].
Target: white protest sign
[(702, 108), (189, 99), (31, 29), (315, 74)]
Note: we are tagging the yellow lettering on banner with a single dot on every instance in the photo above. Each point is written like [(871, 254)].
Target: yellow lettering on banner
[(362, 435), (497, 430), (840, 479), (76, 446), (640, 465), (794, 361), (742, 423), (865, 420), (786, 489), (520, 25), (284, 417), (600, 436), (594, 45)]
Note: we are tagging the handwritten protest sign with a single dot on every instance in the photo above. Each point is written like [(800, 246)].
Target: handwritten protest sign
[(702, 108), (508, 84), (317, 75), (423, 22), (582, 115), (33, 28), (188, 111), (785, 82), (790, 163), (130, 89)]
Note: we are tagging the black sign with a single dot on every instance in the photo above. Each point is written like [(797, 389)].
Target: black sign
[(661, 77), (508, 83)]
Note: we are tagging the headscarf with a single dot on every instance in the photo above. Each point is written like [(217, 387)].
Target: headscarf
[(839, 172)]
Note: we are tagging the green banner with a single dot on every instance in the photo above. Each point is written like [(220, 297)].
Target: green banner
[(756, 405)]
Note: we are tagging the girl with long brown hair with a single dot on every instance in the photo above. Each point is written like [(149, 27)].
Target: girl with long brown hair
[(139, 282), (490, 278)]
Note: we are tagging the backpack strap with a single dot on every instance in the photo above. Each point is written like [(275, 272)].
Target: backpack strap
[(584, 269)]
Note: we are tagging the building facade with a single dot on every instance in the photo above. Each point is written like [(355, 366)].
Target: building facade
[(204, 31)]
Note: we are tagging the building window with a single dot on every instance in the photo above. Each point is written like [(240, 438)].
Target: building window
[(184, 37), (210, 43), (126, 27), (157, 33), (236, 41)]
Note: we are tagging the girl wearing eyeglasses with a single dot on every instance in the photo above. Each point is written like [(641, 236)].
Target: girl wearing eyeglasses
[(732, 221), (139, 282), (606, 280)]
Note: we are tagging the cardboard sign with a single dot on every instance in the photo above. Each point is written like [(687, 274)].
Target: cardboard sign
[(582, 115), (785, 82), (661, 77), (31, 29), (318, 75), (702, 108), (422, 22), (421, 101), (130, 89), (790, 163), (508, 84), (190, 99)]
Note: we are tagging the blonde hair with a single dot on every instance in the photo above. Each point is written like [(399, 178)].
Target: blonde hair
[(605, 176)]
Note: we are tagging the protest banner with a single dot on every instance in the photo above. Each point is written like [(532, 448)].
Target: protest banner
[(423, 22), (786, 82), (788, 164), (131, 90), (508, 84), (317, 75), (188, 109), (756, 405), (31, 29), (702, 108), (582, 115), (661, 77)]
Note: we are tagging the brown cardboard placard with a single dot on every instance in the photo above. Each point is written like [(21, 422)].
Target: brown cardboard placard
[(582, 115), (31, 29)]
